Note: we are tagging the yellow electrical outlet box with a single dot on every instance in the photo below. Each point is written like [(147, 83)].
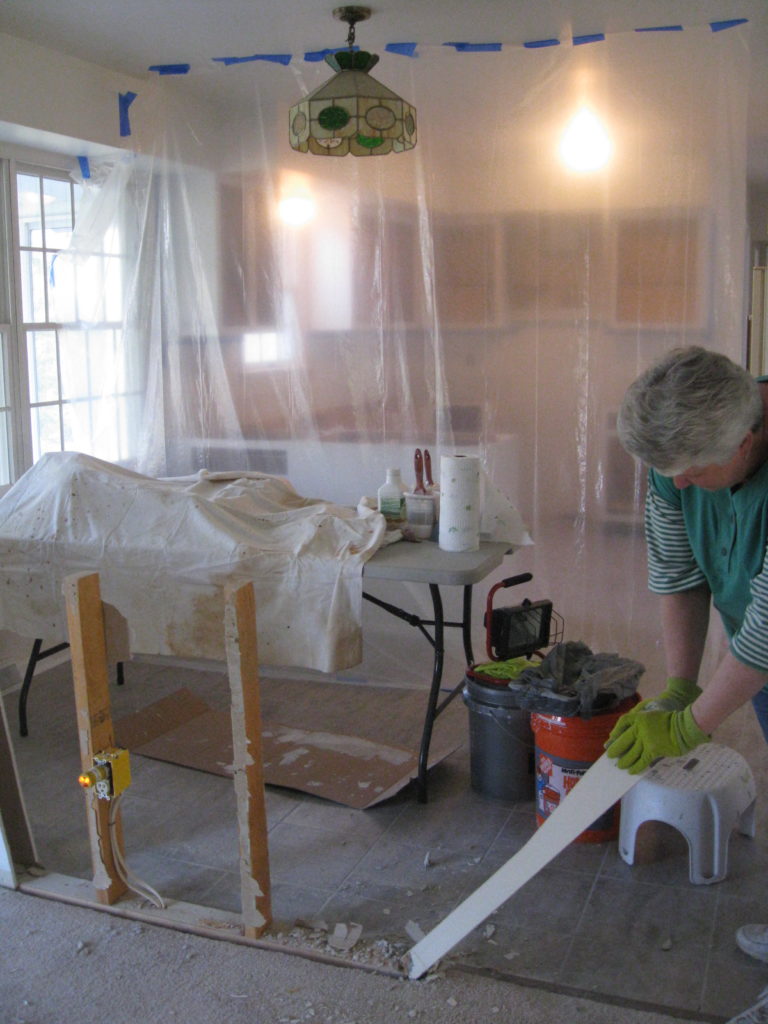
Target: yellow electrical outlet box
[(110, 774)]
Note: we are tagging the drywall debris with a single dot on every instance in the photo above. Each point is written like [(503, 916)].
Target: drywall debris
[(666, 944), (344, 940), (414, 931), (345, 936), (427, 860), (489, 931)]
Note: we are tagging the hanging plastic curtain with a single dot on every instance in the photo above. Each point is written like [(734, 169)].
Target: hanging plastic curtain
[(569, 213)]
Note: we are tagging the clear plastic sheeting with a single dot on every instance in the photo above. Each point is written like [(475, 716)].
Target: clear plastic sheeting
[(166, 549), (492, 292)]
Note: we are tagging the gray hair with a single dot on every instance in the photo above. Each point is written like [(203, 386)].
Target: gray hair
[(691, 408)]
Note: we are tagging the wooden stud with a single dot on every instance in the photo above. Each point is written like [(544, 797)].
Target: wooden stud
[(88, 649), (242, 664)]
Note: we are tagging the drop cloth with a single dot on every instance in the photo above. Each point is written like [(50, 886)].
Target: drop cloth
[(164, 548)]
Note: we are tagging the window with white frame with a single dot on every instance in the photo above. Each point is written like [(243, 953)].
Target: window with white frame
[(62, 379)]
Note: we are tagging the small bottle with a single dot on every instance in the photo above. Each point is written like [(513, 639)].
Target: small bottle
[(392, 497)]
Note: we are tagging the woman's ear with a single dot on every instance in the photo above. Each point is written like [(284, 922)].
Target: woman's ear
[(746, 445)]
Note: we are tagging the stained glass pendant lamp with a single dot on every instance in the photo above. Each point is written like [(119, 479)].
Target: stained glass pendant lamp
[(352, 112)]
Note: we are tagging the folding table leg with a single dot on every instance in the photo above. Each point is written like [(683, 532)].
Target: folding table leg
[(36, 655), (434, 692)]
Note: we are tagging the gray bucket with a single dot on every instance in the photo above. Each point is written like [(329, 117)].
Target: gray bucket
[(501, 743)]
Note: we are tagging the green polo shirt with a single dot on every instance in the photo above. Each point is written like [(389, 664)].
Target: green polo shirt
[(718, 538)]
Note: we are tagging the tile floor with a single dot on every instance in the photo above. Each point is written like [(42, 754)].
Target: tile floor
[(588, 922)]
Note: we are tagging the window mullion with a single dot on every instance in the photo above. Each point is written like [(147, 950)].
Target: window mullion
[(18, 377)]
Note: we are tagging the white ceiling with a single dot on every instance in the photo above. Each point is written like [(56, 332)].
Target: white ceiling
[(132, 35)]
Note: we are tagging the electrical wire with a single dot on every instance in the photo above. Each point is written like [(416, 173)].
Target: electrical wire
[(132, 881)]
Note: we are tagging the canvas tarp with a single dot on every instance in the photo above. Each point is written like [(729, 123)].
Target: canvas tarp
[(164, 550)]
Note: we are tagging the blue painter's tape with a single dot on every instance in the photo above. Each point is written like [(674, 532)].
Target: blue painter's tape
[(313, 56), (275, 58), (537, 44), (51, 272), (720, 26), (85, 167), (405, 49), (661, 28), (595, 37), (125, 99), (475, 47), (170, 69)]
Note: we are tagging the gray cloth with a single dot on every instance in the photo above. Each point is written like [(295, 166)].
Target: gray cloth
[(594, 682)]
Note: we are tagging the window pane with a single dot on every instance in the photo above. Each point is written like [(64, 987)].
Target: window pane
[(57, 211), (46, 431), (6, 423), (30, 218), (89, 290), (113, 289), (113, 241), (61, 293), (78, 435), (43, 367), (5, 462), (95, 424), (33, 287), (74, 365)]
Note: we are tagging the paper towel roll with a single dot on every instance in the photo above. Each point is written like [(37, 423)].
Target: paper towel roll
[(459, 527)]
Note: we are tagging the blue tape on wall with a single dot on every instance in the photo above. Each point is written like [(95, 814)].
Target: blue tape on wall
[(475, 47), (720, 26), (125, 99), (275, 58), (170, 69), (537, 44), (595, 37), (316, 55), (405, 49), (85, 167)]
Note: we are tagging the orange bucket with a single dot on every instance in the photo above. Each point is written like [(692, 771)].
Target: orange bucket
[(565, 748)]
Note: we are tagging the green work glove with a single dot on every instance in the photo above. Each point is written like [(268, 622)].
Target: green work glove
[(677, 696), (639, 739)]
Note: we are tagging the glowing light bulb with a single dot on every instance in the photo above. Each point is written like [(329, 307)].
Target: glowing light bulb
[(296, 210), (585, 145)]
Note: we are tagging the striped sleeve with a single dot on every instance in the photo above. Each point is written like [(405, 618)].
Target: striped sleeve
[(750, 641), (671, 564)]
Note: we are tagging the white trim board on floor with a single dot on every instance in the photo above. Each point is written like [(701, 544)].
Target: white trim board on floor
[(603, 785)]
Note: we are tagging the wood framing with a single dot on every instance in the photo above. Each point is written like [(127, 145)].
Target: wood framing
[(93, 627), (88, 650), (242, 663)]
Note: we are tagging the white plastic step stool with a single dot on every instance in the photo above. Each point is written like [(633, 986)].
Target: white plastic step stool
[(705, 796)]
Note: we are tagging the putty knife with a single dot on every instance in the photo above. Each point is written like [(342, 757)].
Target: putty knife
[(598, 789)]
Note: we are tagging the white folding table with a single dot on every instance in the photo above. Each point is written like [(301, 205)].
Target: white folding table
[(427, 562)]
